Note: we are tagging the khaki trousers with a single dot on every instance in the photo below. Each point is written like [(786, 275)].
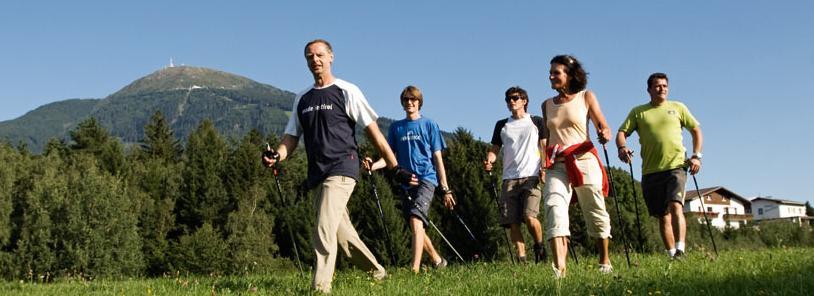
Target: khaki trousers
[(334, 230)]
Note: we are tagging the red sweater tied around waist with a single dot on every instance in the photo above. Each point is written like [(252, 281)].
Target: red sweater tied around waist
[(570, 159)]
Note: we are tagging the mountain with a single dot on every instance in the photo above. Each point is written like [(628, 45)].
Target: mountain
[(185, 95), (53, 120)]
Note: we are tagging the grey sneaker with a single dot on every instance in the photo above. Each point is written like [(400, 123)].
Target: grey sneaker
[(679, 255), (539, 253), (440, 265), (606, 268)]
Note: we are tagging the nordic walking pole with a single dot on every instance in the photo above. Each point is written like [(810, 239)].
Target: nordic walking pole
[(621, 222), (636, 205), (381, 216), (290, 231), (497, 203), (704, 210), (468, 231), (273, 155), (424, 215), (571, 250)]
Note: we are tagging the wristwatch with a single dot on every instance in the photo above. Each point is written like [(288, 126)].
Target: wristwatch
[(697, 155), (445, 189)]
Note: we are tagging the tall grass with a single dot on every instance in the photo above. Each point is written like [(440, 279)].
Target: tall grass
[(778, 271)]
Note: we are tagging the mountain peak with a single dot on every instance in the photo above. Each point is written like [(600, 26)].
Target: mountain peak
[(185, 77)]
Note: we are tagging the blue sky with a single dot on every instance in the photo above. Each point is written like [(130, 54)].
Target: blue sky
[(741, 66)]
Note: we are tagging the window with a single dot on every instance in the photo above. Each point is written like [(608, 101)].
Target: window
[(709, 209), (760, 211)]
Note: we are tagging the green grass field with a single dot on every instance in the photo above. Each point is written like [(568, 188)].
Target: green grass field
[(785, 271)]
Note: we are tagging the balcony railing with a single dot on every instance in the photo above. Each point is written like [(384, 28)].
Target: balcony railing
[(711, 215), (738, 217)]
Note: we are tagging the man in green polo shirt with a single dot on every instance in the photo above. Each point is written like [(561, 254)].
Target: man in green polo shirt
[(664, 163)]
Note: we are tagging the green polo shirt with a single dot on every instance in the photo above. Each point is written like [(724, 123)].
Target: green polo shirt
[(660, 136)]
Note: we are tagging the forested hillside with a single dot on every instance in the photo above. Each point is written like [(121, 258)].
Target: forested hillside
[(87, 207)]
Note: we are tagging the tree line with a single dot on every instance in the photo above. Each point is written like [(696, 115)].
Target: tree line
[(92, 207)]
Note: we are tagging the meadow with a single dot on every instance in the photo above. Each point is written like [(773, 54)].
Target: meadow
[(777, 271)]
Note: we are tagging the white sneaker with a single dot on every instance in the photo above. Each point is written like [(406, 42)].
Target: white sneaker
[(558, 274), (605, 268), (380, 274)]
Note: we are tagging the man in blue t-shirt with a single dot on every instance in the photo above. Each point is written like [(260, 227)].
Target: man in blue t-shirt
[(325, 117), (418, 145)]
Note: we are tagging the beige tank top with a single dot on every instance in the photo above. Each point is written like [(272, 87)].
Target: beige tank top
[(567, 123)]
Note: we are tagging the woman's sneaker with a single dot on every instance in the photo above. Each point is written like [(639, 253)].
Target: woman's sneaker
[(558, 274), (440, 265)]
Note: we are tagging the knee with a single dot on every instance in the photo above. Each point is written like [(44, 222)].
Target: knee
[(531, 220), (676, 207), (666, 219)]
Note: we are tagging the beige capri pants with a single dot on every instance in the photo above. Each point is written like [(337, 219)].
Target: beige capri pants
[(557, 196)]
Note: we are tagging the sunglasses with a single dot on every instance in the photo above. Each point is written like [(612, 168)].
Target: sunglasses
[(513, 98)]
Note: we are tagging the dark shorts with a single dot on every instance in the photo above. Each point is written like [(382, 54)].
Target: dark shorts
[(661, 188), (422, 198)]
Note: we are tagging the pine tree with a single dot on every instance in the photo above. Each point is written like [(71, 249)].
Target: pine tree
[(90, 137), (56, 146), (159, 141), (243, 168), (203, 197), (156, 183)]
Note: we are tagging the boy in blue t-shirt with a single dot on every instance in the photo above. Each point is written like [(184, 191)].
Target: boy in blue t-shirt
[(418, 143)]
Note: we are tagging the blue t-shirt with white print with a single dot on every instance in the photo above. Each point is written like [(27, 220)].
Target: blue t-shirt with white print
[(413, 142)]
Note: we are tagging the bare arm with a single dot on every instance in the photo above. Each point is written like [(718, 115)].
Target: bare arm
[(625, 154), (697, 144), (697, 140), (543, 143), (372, 166), (595, 113), (438, 161), (380, 143)]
